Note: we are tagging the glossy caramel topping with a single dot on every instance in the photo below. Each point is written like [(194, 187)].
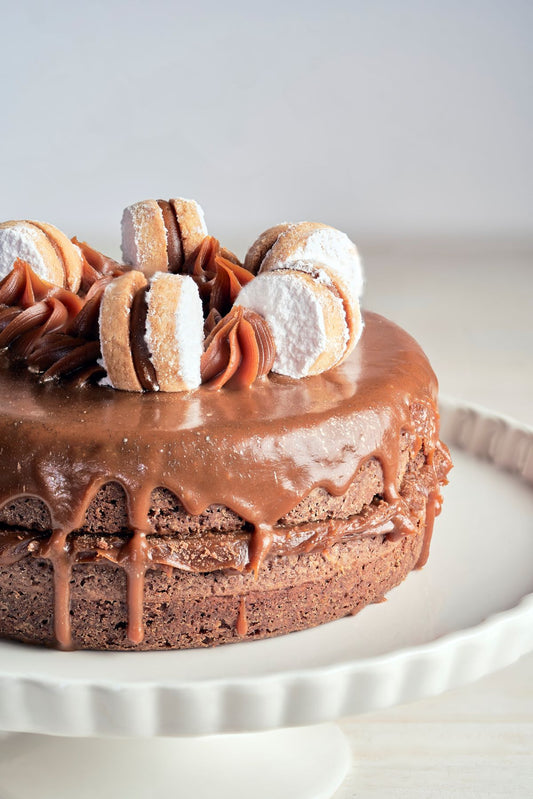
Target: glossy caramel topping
[(241, 347), (258, 452), (203, 447)]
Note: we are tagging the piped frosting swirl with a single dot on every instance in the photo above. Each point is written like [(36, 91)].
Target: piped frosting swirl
[(239, 348)]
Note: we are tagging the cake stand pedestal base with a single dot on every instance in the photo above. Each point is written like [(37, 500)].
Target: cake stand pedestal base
[(300, 762)]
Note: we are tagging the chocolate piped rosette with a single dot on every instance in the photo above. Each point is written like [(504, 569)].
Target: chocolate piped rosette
[(248, 454)]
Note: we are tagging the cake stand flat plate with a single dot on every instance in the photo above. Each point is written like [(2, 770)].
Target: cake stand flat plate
[(468, 612)]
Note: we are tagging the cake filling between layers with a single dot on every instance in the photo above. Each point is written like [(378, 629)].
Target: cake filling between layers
[(216, 551), (258, 452)]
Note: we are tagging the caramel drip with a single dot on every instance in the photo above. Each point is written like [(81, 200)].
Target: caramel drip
[(258, 452), (240, 346), (49, 328), (96, 265), (218, 277), (199, 554), (261, 546), (241, 626), (57, 551), (433, 508), (134, 559)]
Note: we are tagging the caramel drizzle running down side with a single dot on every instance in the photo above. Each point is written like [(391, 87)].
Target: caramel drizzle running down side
[(58, 551), (241, 626), (134, 559), (142, 552), (137, 555), (433, 508), (258, 452)]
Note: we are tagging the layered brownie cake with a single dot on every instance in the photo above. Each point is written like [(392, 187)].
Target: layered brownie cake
[(168, 489)]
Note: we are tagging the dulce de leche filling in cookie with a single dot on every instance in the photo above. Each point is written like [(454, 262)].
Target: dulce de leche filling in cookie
[(258, 453), (174, 246), (140, 352)]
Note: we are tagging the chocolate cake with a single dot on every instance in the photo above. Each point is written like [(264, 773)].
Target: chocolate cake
[(173, 520), (195, 451)]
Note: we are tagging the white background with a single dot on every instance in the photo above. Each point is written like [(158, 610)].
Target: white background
[(407, 124), (381, 118)]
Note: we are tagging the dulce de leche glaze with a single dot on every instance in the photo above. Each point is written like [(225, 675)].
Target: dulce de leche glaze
[(258, 451)]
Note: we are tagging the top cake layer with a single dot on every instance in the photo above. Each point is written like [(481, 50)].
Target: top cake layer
[(361, 431), (258, 452)]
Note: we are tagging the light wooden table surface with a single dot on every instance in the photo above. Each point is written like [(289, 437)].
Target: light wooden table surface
[(470, 305)]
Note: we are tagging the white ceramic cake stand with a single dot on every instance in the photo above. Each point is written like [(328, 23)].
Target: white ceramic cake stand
[(255, 719)]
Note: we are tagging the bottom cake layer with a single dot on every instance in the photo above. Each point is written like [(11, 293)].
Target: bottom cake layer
[(184, 610)]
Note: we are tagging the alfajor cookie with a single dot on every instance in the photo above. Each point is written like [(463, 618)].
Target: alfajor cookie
[(151, 333), (51, 255), (313, 242), (306, 318), (326, 253), (175, 331), (162, 235), (191, 223), (261, 246), (115, 324)]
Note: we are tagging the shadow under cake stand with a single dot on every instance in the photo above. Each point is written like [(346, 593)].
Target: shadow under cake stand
[(256, 718)]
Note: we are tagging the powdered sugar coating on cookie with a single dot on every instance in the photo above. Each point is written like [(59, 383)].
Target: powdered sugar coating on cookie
[(69, 253), (115, 320), (174, 331), (21, 239), (144, 237), (262, 244), (305, 317), (308, 243)]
